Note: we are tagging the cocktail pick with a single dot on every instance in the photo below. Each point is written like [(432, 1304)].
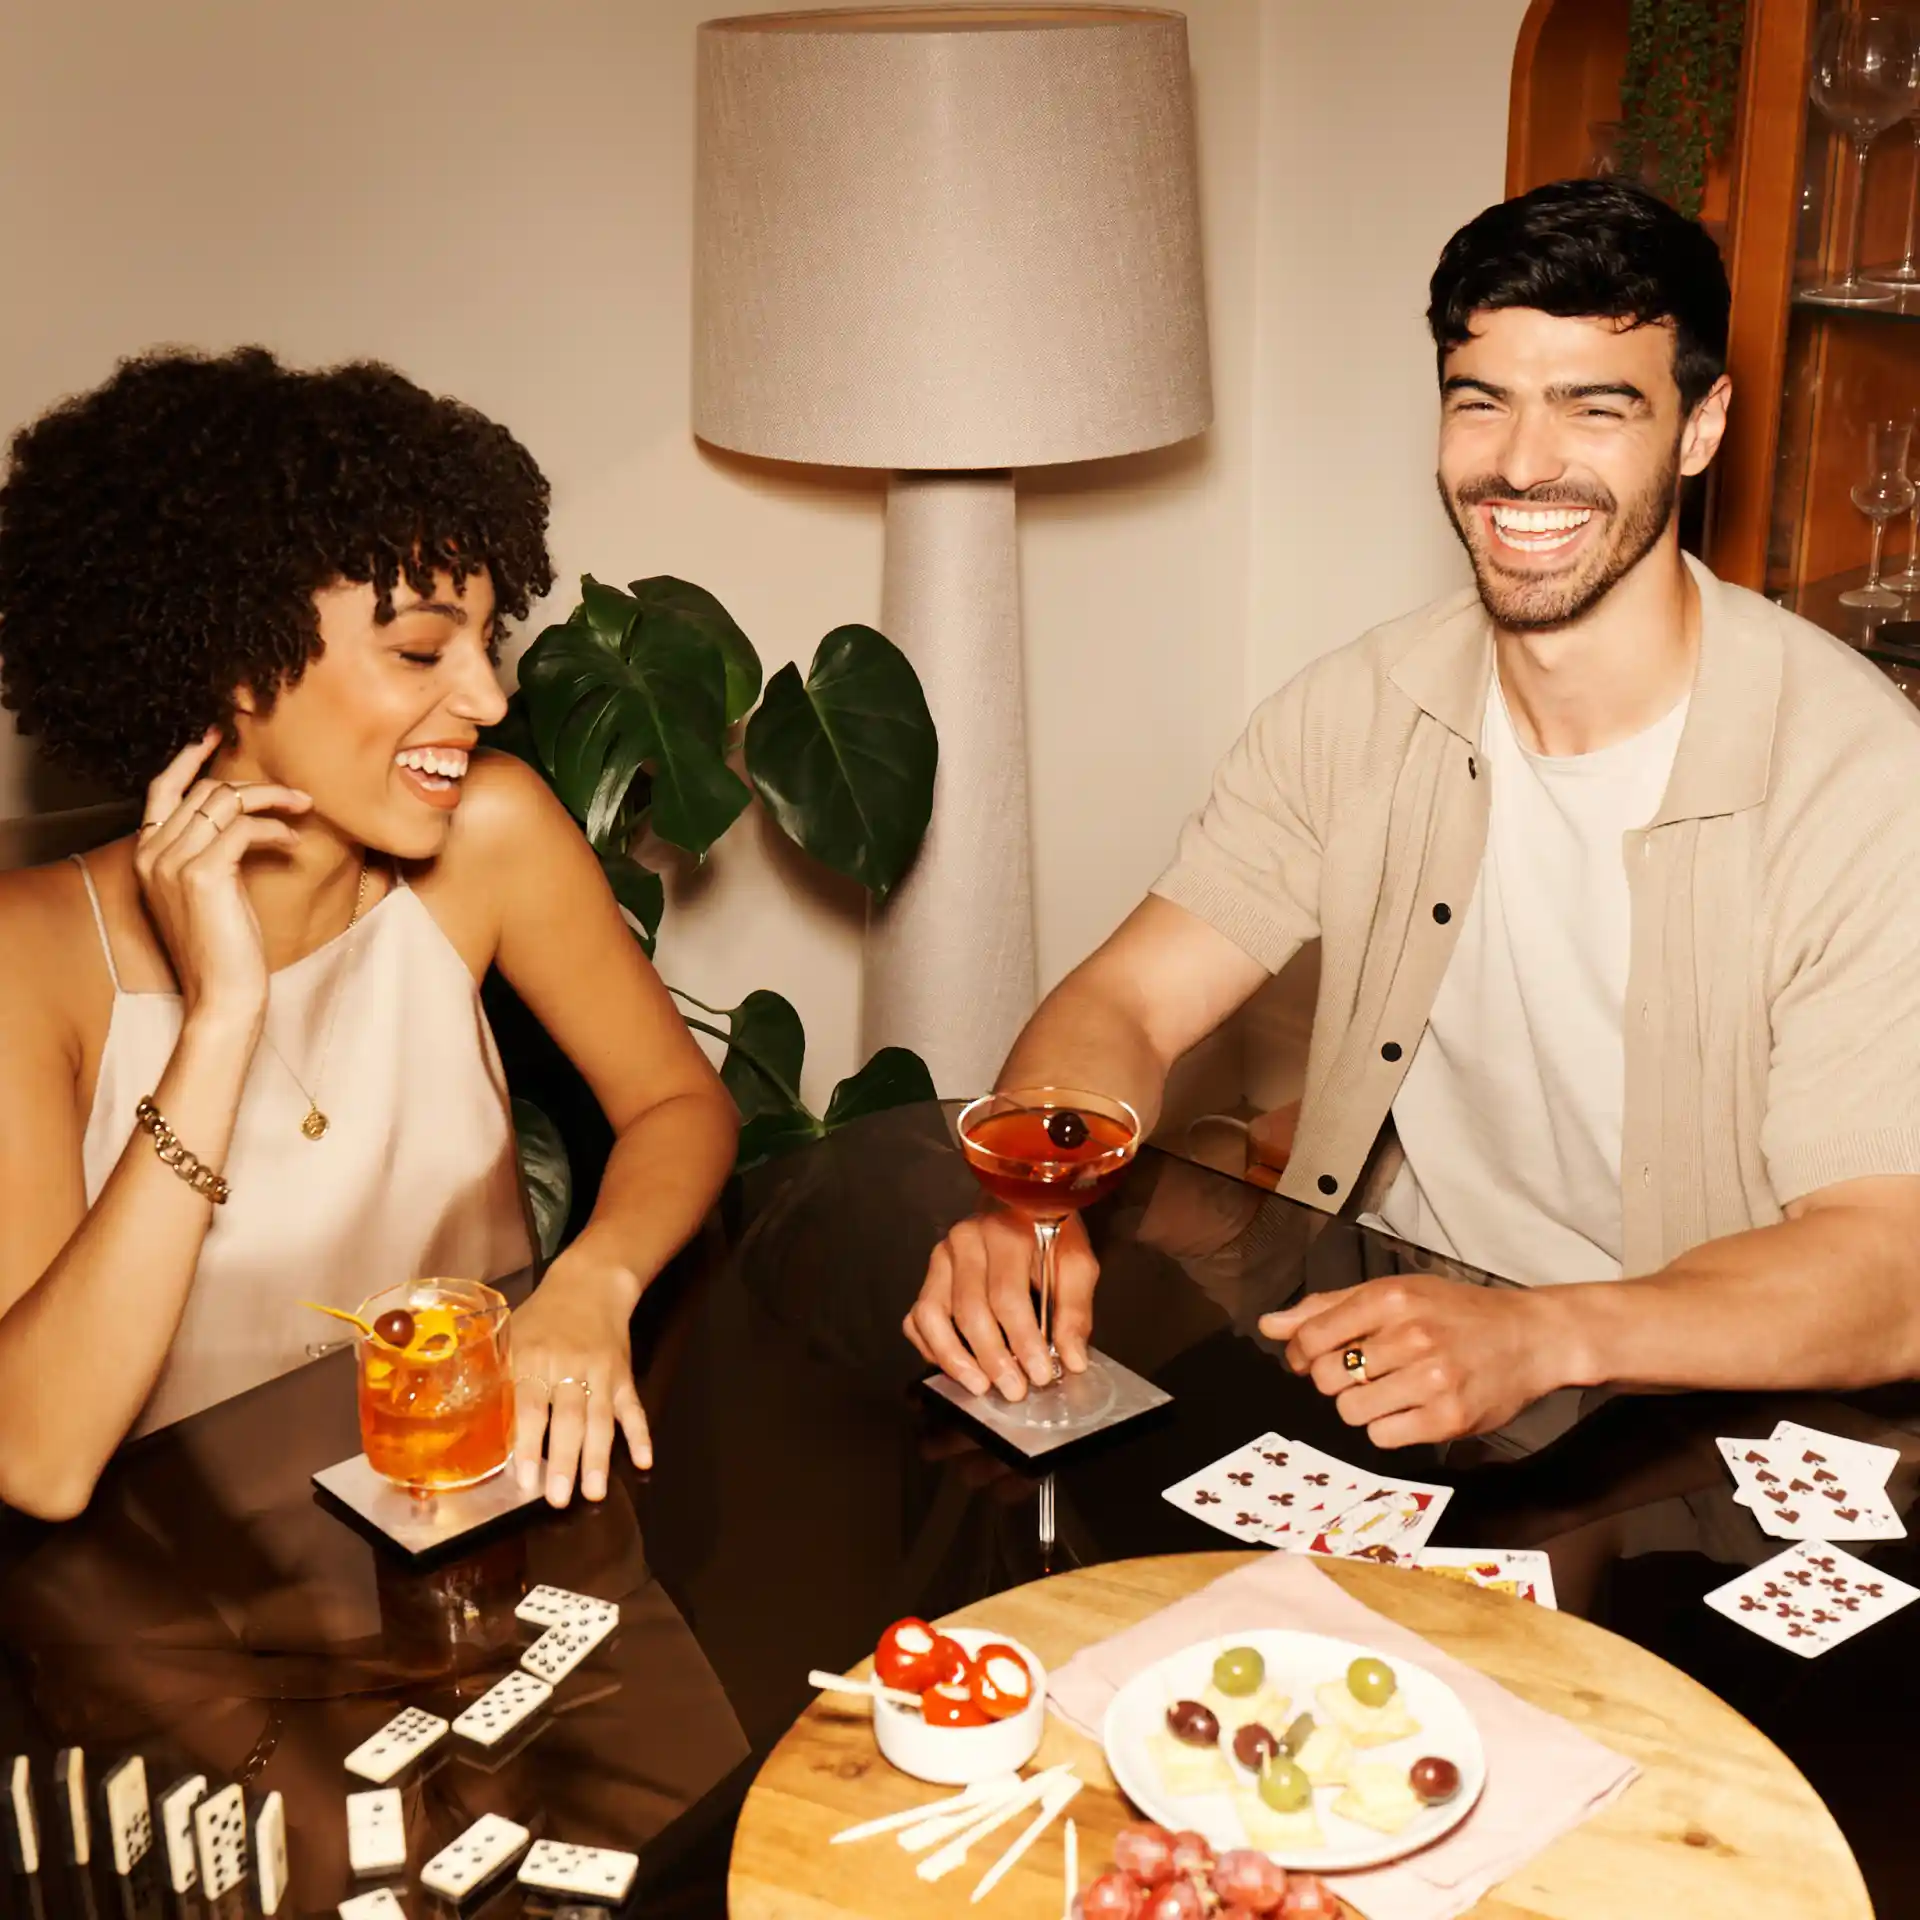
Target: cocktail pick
[(340, 1313)]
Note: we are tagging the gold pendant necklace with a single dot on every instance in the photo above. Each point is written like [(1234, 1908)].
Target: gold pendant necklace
[(315, 1125)]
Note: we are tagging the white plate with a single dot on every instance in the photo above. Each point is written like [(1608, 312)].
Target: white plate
[(1297, 1663)]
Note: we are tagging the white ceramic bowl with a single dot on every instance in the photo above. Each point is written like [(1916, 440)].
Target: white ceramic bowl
[(958, 1756)]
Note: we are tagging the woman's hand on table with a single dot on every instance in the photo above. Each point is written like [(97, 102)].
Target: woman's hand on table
[(1441, 1358), (573, 1377)]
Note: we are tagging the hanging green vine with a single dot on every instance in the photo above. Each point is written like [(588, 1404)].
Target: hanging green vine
[(1677, 95)]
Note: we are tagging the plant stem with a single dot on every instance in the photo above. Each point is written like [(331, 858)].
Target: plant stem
[(747, 1054)]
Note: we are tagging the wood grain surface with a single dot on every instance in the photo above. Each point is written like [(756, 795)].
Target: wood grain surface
[(1719, 1825)]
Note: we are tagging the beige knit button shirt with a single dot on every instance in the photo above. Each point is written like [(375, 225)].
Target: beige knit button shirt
[(1773, 995)]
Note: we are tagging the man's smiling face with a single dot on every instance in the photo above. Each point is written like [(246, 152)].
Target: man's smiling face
[(1562, 446)]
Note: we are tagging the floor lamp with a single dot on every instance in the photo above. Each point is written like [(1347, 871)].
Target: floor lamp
[(949, 242)]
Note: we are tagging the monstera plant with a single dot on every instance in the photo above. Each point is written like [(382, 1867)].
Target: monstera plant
[(633, 709)]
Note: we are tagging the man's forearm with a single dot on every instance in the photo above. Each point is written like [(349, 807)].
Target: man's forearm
[(1081, 1037), (1828, 1300)]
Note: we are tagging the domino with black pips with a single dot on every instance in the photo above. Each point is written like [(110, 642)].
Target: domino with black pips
[(22, 1817), (559, 1607), (584, 1873), (175, 1808), (502, 1708), (70, 1795), (381, 1904), (376, 1831), (123, 1794), (465, 1865), (560, 1649), (220, 1841), (409, 1734), (270, 1852)]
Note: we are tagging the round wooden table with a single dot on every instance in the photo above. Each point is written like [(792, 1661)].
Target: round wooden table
[(1719, 1825)]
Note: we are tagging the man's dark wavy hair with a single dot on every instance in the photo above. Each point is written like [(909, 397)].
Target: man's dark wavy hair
[(1599, 249), (162, 538)]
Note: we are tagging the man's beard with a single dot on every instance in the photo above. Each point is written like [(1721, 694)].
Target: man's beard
[(1533, 603)]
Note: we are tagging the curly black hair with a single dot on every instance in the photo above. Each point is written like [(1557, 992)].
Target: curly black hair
[(162, 538)]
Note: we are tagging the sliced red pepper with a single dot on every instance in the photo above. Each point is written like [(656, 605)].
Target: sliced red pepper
[(1002, 1682), (951, 1705), (904, 1657)]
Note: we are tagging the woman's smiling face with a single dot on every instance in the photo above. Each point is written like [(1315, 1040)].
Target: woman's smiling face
[(379, 727)]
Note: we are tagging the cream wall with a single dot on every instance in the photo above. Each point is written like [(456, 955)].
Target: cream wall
[(496, 196)]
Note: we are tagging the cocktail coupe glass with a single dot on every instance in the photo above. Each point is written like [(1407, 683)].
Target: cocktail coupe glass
[(435, 1387), (1883, 495), (1862, 78), (1047, 1152)]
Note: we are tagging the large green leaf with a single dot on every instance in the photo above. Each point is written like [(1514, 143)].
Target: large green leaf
[(548, 1173), (845, 760), (639, 890), (767, 1048), (599, 713), (769, 1134), (696, 607), (894, 1077)]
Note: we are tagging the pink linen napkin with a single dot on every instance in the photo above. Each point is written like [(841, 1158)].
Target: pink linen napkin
[(1544, 1776)]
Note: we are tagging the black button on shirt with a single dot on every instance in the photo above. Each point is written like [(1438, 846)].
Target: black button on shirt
[(1443, 913), (1328, 1184), (1391, 1051)]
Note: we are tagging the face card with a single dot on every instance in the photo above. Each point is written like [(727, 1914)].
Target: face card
[(176, 1830), (381, 1904), (220, 1840), (586, 1873), (557, 1607), (1524, 1572), (1796, 1494), (22, 1817), (1811, 1597), (129, 1813), (376, 1831), (470, 1861), (270, 1852), (502, 1708), (560, 1649), (70, 1792), (1390, 1522), (400, 1742)]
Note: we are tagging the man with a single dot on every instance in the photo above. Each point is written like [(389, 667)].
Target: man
[(1616, 871)]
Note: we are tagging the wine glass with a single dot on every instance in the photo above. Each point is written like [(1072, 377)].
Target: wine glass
[(1885, 493), (1906, 273), (1862, 78), (1047, 1152), (1908, 578)]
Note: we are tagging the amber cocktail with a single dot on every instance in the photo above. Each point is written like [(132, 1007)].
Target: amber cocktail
[(436, 1392)]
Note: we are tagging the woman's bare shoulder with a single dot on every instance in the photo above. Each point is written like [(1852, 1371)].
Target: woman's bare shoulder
[(50, 958)]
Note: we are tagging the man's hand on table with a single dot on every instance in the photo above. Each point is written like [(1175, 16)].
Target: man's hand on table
[(573, 1376), (1442, 1358), (974, 1319)]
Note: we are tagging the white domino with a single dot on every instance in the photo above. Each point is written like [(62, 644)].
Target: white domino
[(560, 1649), (70, 1790), (404, 1738), (473, 1859), (129, 1813), (176, 1830), (23, 1823), (220, 1840), (381, 1904), (502, 1708), (557, 1607), (270, 1852), (588, 1873), (376, 1831)]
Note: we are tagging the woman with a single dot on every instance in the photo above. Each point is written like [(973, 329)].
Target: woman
[(272, 600)]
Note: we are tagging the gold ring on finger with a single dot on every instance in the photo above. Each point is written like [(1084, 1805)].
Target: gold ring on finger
[(1355, 1362), (531, 1380), (571, 1380)]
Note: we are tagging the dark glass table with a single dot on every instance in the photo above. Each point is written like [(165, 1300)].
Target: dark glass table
[(210, 1614)]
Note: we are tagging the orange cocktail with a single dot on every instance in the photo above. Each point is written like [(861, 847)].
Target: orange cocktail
[(436, 1393)]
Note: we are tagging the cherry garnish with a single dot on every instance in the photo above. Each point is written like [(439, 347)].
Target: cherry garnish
[(1066, 1129), (395, 1327)]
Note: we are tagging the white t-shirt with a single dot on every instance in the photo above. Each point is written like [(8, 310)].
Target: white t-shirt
[(1511, 1107)]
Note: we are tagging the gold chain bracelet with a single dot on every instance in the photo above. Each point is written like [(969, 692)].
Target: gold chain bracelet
[(193, 1170)]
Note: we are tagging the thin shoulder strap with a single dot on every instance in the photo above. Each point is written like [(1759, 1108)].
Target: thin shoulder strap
[(99, 918)]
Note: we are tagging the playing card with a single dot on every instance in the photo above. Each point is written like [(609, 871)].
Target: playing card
[(22, 1818), (473, 1859), (1797, 1493), (560, 1649), (376, 1831), (70, 1796), (1811, 1597), (557, 1607), (403, 1739), (1390, 1522), (502, 1708), (270, 1852), (1873, 1465), (129, 1813), (176, 1807), (1273, 1491), (220, 1840), (1521, 1571), (381, 1904), (587, 1873)]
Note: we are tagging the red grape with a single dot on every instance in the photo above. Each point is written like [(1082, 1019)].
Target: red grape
[(1191, 1854), (1145, 1852), (1112, 1897), (1174, 1900), (1309, 1898), (1248, 1879)]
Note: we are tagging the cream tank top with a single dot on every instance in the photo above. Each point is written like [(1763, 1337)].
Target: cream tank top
[(416, 1174)]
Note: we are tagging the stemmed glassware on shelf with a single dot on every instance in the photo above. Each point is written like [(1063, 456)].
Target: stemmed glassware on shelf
[(1907, 580), (1905, 272), (1863, 78), (1883, 495)]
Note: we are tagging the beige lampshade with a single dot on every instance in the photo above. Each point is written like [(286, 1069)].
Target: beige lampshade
[(947, 237)]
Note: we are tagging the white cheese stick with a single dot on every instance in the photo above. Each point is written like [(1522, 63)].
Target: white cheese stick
[(929, 1833), (1052, 1801), (1073, 1869), (999, 1786), (938, 1865)]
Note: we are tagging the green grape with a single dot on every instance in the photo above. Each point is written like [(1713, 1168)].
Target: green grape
[(1238, 1672), (1283, 1786), (1371, 1682)]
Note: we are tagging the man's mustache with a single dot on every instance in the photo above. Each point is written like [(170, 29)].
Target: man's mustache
[(1552, 493)]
